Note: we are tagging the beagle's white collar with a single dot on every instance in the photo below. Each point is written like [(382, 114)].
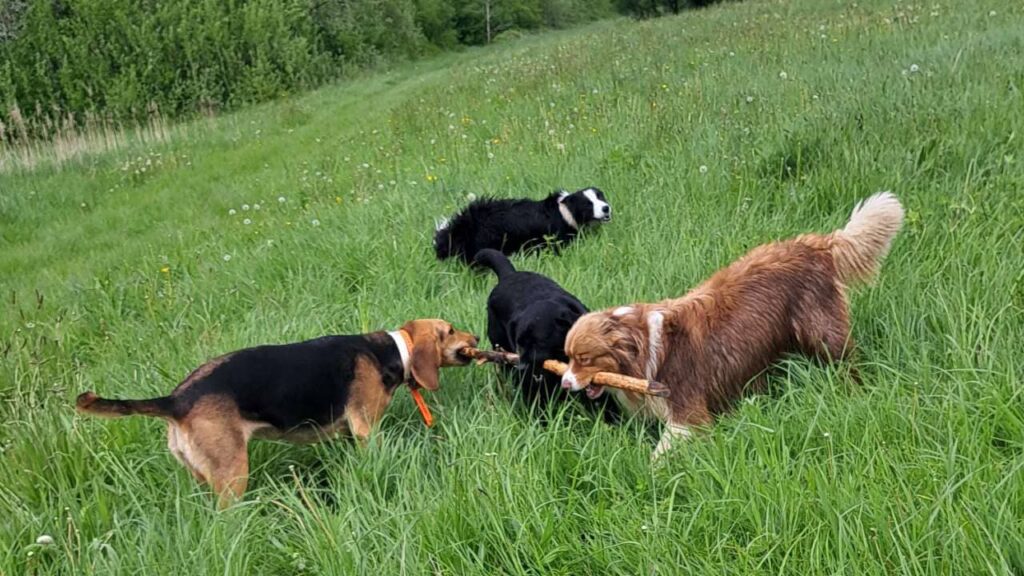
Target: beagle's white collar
[(567, 215), (404, 343)]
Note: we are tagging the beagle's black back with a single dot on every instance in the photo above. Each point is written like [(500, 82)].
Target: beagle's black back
[(289, 386)]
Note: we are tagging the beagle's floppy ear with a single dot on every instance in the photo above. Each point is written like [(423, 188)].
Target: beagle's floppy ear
[(426, 358), (425, 364)]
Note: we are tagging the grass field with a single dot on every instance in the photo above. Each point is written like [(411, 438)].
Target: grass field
[(710, 132)]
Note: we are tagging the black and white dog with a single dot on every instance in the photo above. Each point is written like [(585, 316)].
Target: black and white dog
[(530, 314), (512, 225)]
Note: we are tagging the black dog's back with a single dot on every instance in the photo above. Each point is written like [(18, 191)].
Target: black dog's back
[(504, 225), (530, 314)]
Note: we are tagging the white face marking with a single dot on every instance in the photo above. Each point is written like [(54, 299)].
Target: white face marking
[(655, 323), (622, 311), (602, 211), (570, 382), (440, 224)]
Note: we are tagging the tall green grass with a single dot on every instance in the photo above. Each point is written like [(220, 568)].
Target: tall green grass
[(123, 271)]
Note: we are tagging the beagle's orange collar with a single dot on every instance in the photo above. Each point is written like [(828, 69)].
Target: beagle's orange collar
[(404, 342)]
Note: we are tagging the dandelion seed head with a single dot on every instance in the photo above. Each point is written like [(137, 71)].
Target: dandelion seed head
[(232, 212), (471, 197), (914, 68), (227, 257), (314, 222), (245, 207), (247, 221), (783, 75), (44, 540), (703, 169), (281, 199)]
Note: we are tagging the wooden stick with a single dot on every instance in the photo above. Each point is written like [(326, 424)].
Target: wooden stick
[(496, 356), (628, 383)]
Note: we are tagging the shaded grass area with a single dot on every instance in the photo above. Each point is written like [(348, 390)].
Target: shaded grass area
[(121, 280)]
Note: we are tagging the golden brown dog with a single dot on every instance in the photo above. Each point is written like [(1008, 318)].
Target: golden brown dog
[(784, 297), (299, 392)]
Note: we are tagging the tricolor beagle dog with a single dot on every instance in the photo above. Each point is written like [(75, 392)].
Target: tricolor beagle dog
[(301, 392)]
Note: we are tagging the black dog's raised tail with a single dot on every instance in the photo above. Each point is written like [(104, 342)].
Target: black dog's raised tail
[(90, 403), (495, 261)]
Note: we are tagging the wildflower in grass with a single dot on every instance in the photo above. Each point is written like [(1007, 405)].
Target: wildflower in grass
[(914, 68), (560, 146), (255, 206), (490, 155), (703, 169), (227, 257), (431, 178), (247, 221), (281, 199), (337, 199), (245, 207), (783, 75), (750, 99), (232, 212), (992, 13), (314, 222), (471, 197), (44, 540), (166, 269)]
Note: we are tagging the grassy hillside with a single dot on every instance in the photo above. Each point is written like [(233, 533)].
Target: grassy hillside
[(711, 133)]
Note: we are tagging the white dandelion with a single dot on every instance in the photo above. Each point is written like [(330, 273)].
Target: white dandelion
[(783, 75), (245, 207), (247, 221), (314, 222), (232, 212), (281, 199), (914, 68), (703, 169), (44, 540), (750, 99), (227, 257), (255, 206), (471, 197)]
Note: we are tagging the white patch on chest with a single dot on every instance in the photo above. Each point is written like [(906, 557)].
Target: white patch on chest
[(655, 329)]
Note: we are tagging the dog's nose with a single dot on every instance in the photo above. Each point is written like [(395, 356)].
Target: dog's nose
[(566, 384), (476, 340), (606, 209)]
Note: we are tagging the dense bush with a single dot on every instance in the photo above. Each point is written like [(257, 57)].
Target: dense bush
[(123, 59)]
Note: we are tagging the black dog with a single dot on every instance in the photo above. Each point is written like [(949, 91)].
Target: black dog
[(530, 314), (512, 225)]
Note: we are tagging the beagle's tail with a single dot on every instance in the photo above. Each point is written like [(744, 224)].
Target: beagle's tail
[(495, 261), (860, 246), (90, 403)]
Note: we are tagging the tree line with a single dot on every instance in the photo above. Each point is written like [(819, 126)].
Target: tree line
[(124, 59)]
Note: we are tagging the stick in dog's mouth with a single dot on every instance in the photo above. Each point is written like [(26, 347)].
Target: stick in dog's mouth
[(494, 356)]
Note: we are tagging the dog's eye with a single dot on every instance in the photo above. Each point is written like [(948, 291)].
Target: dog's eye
[(451, 331)]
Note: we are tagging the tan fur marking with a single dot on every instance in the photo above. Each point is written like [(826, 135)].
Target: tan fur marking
[(367, 399)]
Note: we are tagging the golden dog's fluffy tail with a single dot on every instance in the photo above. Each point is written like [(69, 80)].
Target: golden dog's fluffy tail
[(860, 246)]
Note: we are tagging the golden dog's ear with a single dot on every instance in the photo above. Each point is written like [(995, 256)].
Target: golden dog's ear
[(426, 362)]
